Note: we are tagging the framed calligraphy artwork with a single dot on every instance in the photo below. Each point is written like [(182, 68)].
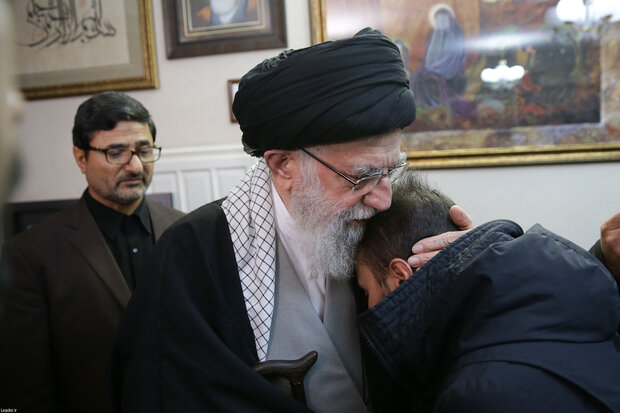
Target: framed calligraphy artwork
[(71, 47), (204, 27), (496, 83)]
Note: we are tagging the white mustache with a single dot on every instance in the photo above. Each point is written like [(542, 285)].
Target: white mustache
[(359, 212)]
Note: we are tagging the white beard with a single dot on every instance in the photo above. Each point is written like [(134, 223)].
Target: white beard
[(325, 231)]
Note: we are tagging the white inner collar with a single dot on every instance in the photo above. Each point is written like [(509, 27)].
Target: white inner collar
[(312, 279)]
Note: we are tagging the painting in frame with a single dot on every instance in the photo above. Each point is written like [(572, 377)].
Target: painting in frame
[(71, 47), (233, 87), (205, 27), (564, 107)]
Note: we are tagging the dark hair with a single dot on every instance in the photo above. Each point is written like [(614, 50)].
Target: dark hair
[(418, 211), (103, 111)]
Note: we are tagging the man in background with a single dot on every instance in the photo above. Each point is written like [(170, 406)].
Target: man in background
[(607, 248), (71, 276)]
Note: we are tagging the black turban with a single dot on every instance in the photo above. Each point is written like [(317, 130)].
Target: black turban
[(328, 93)]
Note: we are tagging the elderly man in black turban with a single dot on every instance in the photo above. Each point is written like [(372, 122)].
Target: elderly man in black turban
[(265, 273)]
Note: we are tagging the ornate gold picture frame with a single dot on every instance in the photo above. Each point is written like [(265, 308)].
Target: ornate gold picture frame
[(467, 144)]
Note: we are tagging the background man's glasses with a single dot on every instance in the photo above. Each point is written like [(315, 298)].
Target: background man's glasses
[(367, 182), (122, 156)]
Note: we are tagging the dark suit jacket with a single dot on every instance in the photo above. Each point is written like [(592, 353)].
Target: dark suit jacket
[(62, 302)]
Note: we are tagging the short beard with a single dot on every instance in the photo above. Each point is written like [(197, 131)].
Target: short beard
[(133, 196), (325, 230)]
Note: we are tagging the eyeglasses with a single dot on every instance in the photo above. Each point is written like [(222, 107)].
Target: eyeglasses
[(122, 156), (370, 181)]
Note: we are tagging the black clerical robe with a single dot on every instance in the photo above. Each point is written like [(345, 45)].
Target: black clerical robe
[(185, 342)]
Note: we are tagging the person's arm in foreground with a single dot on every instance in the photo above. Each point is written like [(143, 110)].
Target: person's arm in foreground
[(427, 248), (607, 249)]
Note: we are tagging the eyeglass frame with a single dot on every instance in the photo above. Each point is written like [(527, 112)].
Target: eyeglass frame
[(133, 152), (355, 183)]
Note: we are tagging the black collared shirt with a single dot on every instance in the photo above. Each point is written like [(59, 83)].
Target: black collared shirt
[(130, 237)]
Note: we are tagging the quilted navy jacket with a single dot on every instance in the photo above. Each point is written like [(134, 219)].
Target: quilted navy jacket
[(502, 321)]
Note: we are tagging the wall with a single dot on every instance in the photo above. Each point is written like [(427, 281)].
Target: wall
[(202, 154)]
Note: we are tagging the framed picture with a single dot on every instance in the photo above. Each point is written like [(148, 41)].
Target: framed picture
[(496, 83), (233, 86), (70, 47), (204, 27)]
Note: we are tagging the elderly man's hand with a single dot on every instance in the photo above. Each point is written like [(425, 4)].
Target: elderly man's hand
[(427, 248), (610, 244)]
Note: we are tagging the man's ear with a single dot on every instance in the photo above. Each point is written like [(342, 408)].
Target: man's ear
[(284, 167), (399, 271), (80, 158)]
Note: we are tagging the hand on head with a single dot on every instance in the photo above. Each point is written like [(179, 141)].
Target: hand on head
[(427, 248)]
